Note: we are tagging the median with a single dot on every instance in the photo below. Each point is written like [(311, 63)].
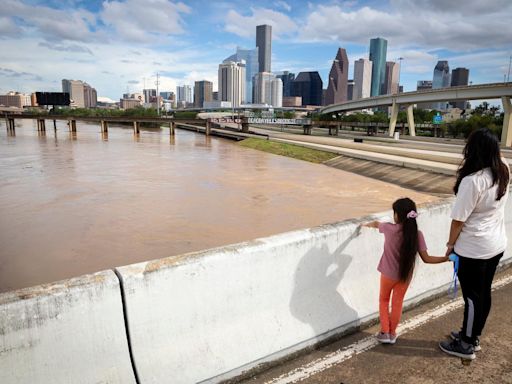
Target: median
[(288, 150)]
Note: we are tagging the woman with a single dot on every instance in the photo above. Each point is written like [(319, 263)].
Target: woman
[(477, 234)]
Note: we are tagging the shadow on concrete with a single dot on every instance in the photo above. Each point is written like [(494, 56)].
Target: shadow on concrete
[(411, 347), (315, 299)]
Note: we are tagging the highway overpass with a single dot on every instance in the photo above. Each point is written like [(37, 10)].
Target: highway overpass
[(501, 91)]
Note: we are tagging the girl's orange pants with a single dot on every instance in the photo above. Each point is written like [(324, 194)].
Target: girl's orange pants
[(389, 321)]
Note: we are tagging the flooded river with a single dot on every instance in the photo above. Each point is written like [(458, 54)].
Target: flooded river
[(71, 205)]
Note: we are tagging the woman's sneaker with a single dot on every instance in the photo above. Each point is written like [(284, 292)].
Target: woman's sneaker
[(476, 346), (455, 348), (383, 338), (392, 338)]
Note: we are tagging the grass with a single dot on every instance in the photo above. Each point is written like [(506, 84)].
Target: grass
[(288, 150)]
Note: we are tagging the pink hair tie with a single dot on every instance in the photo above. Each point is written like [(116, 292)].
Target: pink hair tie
[(412, 215)]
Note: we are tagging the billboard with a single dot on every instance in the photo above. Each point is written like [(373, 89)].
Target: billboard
[(52, 98)]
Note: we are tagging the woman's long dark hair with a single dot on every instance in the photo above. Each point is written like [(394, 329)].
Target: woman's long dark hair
[(409, 247), (483, 151)]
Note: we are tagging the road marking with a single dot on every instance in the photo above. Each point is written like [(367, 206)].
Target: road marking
[(363, 345)]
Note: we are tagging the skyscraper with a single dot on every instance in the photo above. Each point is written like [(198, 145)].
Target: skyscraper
[(202, 92), (362, 79), (250, 56), (276, 86), (421, 86), (391, 80), (264, 44), (338, 79), (75, 88), (263, 88), (460, 76), (184, 93), (232, 82), (441, 80), (90, 96), (149, 95), (378, 52), (308, 85), (287, 79), (350, 90)]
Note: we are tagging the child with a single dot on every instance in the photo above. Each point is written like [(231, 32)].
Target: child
[(402, 241)]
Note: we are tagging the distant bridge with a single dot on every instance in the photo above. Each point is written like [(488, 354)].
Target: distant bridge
[(501, 91)]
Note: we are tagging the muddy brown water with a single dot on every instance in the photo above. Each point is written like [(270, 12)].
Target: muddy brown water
[(76, 204)]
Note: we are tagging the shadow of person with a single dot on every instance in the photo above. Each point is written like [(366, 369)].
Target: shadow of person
[(316, 299)]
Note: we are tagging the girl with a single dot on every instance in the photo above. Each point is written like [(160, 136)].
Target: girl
[(477, 234), (402, 241)]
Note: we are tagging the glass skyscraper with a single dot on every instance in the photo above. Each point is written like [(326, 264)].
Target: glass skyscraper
[(250, 56), (378, 51), (441, 80)]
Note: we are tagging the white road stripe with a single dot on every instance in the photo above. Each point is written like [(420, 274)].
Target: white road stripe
[(367, 343)]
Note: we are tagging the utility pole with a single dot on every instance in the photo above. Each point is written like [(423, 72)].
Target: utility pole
[(399, 72), (157, 83)]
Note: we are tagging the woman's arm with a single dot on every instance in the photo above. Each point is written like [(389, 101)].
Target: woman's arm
[(455, 229), (372, 224), (432, 259)]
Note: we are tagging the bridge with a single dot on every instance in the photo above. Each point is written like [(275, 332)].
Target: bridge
[(501, 91)]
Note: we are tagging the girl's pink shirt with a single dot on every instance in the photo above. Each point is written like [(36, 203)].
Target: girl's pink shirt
[(389, 262)]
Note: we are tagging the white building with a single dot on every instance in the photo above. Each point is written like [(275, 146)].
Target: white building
[(276, 87), (15, 99), (232, 82), (184, 93), (75, 88), (362, 79)]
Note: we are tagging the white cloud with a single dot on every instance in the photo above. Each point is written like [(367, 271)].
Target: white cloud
[(283, 4), (245, 26)]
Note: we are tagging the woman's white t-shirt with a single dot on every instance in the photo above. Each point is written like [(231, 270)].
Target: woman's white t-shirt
[(483, 234)]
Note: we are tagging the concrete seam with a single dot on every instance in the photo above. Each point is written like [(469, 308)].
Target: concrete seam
[(126, 325)]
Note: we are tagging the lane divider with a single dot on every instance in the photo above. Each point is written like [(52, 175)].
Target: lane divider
[(363, 345)]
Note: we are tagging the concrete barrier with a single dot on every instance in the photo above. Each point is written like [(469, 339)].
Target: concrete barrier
[(209, 316), (66, 332)]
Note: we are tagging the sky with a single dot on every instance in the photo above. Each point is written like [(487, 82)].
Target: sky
[(120, 45)]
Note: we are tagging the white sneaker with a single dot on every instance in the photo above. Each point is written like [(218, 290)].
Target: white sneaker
[(392, 338), (383, 338)]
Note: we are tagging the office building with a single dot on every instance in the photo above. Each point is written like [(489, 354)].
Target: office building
[(149, 95), (15, 99), (232, 83), (350, 90), (460, 76), (338, 79), (378, 52), (391, 79), (184, 94), (264, 44), (362, 79), (287, 79), (250, 57), (75, 88), (292, 101), (202, 93), (90, 96), (276, 89), (423, 85), (309, 86), (441, 80), (263, 88)]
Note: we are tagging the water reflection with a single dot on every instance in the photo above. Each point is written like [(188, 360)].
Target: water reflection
[(79, 202)]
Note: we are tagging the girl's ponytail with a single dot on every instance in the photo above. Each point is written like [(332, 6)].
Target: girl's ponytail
[(406, 212)]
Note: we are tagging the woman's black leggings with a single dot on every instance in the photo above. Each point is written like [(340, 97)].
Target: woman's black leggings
[(475, 276)]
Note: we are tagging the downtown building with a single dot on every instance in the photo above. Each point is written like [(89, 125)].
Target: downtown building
[(250, 57), (232, 83), (287, 79), (338, 79), (268, 90), (184, 94), (424, 85), (460, 76), (392, 78), (203, 92), (15, 99), (378, 52), (308, 86), (362, 79), (441, 80), (264, 45)]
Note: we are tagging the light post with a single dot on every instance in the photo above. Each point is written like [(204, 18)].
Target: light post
[(399, 72), (157, 83)]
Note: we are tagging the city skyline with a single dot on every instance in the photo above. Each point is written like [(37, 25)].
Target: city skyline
[(184, 42)]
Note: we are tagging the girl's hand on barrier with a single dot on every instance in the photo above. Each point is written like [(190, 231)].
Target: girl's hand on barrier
[(371, 224)]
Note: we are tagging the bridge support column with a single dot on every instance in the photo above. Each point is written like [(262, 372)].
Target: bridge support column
[(72, 125), (9, 122), (172, 127), (307, 129), (245, 124), (506, 133), (104, 126), (136, 127), (41, 126), (393, 118), (410, 120), (208, 127)]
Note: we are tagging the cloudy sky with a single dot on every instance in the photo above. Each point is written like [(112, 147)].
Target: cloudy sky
[(120, 45)]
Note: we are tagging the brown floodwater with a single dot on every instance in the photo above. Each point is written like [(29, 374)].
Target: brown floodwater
[(71, 205)]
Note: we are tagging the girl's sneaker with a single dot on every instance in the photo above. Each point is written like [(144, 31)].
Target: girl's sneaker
[(455, 348), (383, 338), (392, 338), (476, 346)]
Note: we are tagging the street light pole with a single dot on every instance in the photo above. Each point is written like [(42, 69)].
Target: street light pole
[(157, 83), (399, 72)]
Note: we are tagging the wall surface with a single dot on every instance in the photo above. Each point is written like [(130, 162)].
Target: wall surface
[(67, 332), (211, 315)]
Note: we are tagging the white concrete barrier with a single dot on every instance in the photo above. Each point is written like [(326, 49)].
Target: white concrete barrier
[(208, 316), (66, 332)]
